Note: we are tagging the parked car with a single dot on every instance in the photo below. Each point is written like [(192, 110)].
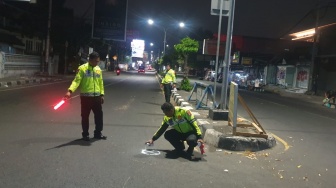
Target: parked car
[(141, 69), (220, 77)]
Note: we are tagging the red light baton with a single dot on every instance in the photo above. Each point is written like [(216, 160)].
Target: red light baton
[(59, 104), (201, 146)]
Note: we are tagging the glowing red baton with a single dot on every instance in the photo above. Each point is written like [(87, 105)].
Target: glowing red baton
[(59, 104)]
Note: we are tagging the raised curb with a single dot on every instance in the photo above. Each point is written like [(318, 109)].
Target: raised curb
[(18, 82), (223, 141), (229, 142)]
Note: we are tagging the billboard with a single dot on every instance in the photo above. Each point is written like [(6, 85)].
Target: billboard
[(138, 47), (109, 20), (210, 47)]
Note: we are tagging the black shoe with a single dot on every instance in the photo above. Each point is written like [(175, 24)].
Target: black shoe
[(190, 151), (100, 137), (177, 152), (86, 138)]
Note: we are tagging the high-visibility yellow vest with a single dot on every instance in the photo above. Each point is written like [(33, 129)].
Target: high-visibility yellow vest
[(183, 121), (169, 77), (90, 81)]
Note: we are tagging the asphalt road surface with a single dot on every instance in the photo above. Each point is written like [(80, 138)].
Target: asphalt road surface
[(41, 147)]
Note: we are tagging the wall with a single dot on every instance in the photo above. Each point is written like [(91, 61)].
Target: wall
[(16, 65)]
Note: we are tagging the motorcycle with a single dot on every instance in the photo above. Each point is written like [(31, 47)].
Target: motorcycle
[(118, 72)]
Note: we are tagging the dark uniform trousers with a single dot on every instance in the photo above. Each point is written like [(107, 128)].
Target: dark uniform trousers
[(176, 139), (167, 91), (94, 104)]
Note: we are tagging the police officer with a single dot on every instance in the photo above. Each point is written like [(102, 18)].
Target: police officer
[(168, 82), (90, 80), (183, 128)]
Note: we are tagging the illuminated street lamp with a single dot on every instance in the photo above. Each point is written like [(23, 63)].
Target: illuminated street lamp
[(151, 22)]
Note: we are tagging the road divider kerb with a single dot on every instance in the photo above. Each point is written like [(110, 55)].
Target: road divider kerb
[(223, 141)]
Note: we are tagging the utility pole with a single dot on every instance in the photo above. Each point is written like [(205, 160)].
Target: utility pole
[(48, 38), (217, 51), (227, 58), (314, 50), (164, 41), (65, 57)]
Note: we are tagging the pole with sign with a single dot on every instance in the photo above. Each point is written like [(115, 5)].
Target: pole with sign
[(223, 8), (227, 56)]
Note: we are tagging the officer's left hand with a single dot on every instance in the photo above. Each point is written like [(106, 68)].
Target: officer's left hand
[(102, 99), (200, 140)]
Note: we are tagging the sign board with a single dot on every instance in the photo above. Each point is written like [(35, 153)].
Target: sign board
[(215, 7), (202, 57), (210, 47), (236, 58), (233, 106), (109, 20), (138, 47), (246, 61)]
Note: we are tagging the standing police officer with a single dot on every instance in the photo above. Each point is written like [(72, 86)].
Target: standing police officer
[(90, 80), (168, 82)]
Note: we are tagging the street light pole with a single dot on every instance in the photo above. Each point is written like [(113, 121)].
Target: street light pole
[(164, 41), (151, 22), (48, 38), (65, 57)]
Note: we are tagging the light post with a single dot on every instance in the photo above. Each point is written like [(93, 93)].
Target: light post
[(115, 63), (107, 65), (46, 63), (151, 52), (151, 22), (65, 56)]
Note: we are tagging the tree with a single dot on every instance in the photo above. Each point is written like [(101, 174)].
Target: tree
[(186, 47)]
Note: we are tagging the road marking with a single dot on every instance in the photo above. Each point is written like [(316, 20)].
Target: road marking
[(195, 113), (321, 116), (282, 141), (275, 103), (202, 121), (150, 152), (188, 107)]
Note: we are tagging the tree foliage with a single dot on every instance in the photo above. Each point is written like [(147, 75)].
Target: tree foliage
[(186, 47), (185, 84)]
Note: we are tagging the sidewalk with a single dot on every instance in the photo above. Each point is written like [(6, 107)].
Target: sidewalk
[(316, 99), (27, 80)]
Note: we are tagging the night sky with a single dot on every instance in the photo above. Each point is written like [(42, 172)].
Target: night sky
[(258, 18)]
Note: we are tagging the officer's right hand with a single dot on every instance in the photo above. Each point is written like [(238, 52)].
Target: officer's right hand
[(67, 95), (150, 142)]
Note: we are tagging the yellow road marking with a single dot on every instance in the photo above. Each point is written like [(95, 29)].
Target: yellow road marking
[(282, 141)]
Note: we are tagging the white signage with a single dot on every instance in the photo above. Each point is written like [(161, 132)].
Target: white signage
[(138, 48), (215, 7)]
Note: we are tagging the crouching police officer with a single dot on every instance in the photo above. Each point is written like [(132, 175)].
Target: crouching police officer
[(184, 128), (90, 80)]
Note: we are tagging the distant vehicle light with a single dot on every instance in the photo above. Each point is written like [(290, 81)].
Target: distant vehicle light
[(141, 69)]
